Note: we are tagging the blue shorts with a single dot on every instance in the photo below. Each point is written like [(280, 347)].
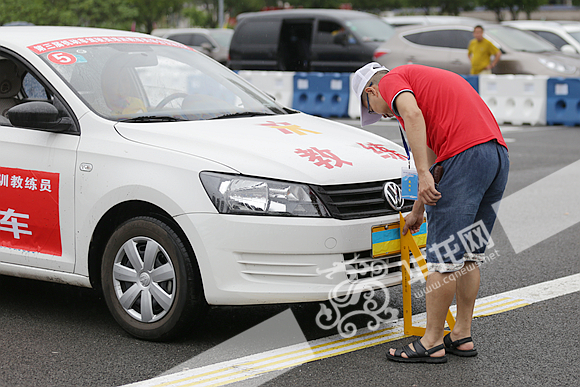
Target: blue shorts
[(459, 226)]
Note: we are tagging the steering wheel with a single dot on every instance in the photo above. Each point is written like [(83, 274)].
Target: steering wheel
[(170, 98)]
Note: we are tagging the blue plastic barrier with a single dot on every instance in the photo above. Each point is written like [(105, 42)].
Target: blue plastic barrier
[(322, 94), (473, 81), (563, 105)]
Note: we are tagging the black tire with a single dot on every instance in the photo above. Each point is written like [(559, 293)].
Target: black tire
[(158, 298)]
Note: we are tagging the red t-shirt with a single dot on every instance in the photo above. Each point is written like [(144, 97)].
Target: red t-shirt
[(455, 115)]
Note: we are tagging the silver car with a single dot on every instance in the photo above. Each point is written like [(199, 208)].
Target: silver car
[(564, 35), (411, 20), (214, 42), (445, 46)]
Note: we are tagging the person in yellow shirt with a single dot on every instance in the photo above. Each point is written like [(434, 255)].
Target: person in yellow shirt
[(480, 51)]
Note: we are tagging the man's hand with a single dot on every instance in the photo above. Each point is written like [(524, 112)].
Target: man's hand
[(427, 192), (413, 222)]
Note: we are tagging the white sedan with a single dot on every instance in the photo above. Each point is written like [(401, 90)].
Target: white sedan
[(140, 167)]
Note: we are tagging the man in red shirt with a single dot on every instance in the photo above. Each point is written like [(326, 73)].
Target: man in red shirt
[(449, 128)]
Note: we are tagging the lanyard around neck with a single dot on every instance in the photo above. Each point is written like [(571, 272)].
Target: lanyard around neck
[(405, 144)]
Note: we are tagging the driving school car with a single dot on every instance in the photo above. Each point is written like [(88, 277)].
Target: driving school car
[(140, 167)]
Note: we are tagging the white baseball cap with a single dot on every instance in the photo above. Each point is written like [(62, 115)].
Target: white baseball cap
[(359, 81)]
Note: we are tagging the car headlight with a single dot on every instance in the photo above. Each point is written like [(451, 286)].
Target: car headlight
[(237, 194), (558, 66)]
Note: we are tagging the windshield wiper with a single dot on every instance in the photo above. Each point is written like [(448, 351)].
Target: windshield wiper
[(152, 119), (242, 114)]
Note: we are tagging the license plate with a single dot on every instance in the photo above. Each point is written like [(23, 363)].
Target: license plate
[(386, 239)]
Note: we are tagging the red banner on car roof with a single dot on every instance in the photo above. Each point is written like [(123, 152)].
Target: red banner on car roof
[(59, 44), (29, 213)]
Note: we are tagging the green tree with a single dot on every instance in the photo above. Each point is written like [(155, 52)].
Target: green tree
[(105, 13), (424, 4), (150, 11), (91, 13), (375, 5), (316, 3), (40, 12), (496, 6), (514, 7), (454, 7), (529, 6)]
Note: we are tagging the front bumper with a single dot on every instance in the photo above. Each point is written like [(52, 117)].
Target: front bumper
[(262, 259)]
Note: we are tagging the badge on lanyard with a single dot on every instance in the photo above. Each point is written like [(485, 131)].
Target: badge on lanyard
[(409, 183), (409, 176)]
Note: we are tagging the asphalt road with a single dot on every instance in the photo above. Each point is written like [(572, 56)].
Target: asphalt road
[(56, 335)]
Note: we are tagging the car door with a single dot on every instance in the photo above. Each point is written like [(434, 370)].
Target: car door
[(334, 47), (37, 173)]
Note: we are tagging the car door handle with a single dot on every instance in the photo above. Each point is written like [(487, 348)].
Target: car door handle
[(457, 62)]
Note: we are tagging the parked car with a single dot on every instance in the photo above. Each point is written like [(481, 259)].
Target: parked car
[(306, 40), (214, 42), (411, 20), (140, 167), (445, 47), (564, 35)]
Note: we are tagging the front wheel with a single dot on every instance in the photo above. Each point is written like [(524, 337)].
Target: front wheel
[(150, 281)]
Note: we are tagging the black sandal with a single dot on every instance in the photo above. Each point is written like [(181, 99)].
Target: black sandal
[(419, 355), (451, 346)]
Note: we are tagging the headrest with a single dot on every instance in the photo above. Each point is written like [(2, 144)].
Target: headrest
[(10, 82)]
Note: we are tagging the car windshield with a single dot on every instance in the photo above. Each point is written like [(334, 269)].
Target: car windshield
[(371, 30), (519, 40), (575, 35), (222, 36), (160, 81)]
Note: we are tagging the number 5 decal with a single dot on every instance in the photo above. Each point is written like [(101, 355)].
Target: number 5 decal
[(62, 58)]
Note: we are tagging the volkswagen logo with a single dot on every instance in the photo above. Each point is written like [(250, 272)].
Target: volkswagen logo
[(394, 195)]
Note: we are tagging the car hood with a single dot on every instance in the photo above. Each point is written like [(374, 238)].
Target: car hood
[(295, 147)]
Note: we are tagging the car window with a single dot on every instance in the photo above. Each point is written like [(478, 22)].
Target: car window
[(551, 37), (123, 81), (438, 38), (519, 40), (327, 30), (182, 38), (199, 39), (20, 86), (462, 38), (223, 36), (259, 31), (575, 35), (33, 88)]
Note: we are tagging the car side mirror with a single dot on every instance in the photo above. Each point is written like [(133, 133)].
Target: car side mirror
[(207, 46), (568, 49), (38, 115)]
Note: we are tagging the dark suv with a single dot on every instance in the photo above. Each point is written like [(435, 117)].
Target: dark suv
[(306, 40)]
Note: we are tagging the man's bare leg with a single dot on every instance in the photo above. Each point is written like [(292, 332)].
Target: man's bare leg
[(467, 289), (440, 291)]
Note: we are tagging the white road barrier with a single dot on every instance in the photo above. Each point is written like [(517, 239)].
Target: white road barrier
[(515, 99), (279, 84)]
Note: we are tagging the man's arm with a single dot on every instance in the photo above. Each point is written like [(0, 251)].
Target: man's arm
[(424, 157), (496, 59), (469, 51)]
